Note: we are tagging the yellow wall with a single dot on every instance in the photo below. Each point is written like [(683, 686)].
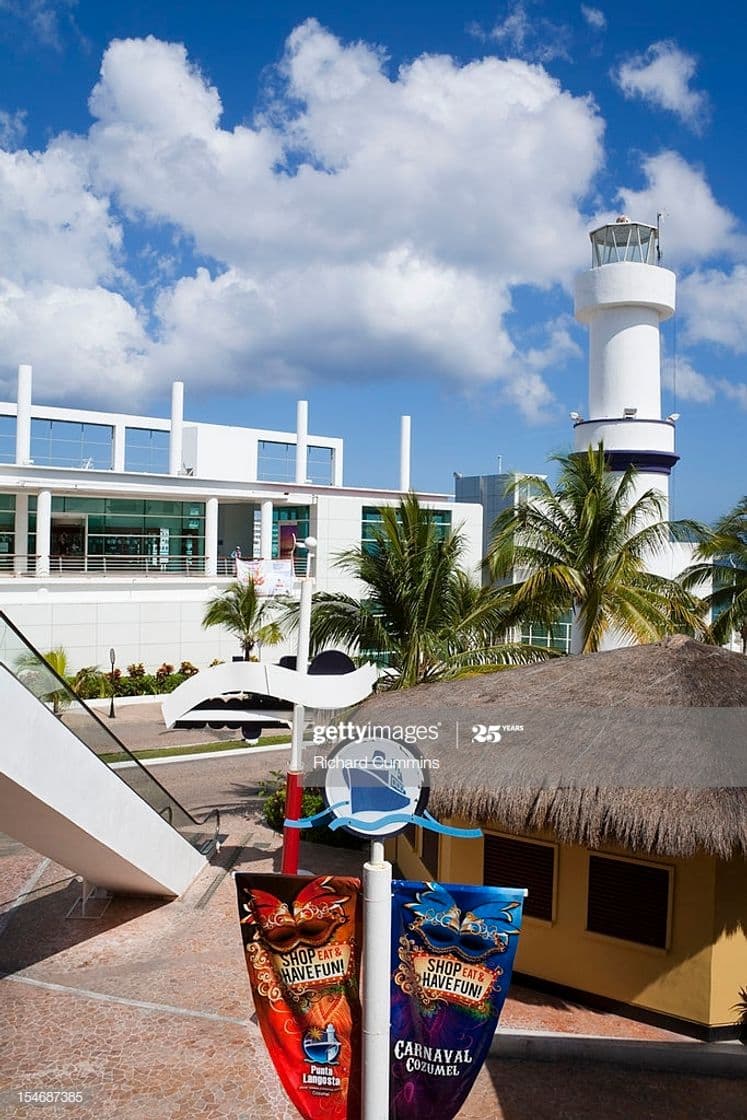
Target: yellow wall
[(696, 978), (729, 961)]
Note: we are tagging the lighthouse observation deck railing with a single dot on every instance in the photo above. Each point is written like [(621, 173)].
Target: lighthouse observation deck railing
[(624, 241)]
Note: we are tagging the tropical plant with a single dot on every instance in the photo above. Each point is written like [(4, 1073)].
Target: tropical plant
[(46, 678), (722, 558), (244, 613), (419, 611), (585, 546), (90, 683)]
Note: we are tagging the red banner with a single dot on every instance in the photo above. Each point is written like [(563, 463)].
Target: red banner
[(301, 938)]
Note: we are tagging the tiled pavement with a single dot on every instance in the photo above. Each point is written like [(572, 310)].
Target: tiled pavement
[(147, 1012)]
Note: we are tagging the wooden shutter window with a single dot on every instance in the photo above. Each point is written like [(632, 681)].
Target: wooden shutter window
[(628, 900), (429, 851), (519, 863)]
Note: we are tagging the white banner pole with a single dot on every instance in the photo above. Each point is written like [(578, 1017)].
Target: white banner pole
[(375, 996)]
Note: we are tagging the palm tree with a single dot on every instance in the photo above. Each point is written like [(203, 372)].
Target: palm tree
[(419, 609), (240, 610), (584, 547), (722, 558), (41, 673)]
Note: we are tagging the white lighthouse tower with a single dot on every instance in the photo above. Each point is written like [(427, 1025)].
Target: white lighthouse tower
[(623, 298)]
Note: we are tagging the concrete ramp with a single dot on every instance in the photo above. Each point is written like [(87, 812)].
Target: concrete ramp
[(119, 829)]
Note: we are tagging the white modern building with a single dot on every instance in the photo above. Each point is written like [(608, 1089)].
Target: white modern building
[(116, 529)]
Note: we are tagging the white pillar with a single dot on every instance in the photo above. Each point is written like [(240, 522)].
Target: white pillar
[(177, 427), (23, 416), (211, 537), (21, 534), (43, 531), (404, 453), (302, 442), (119, 435), (337, 474), (265, 530), (376, 976)]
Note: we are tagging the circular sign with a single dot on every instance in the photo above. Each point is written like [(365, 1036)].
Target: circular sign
[(374, 787)]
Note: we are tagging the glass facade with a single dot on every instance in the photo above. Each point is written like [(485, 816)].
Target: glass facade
[(65, 443), (146, 451), (554, 637), (371, 521), (290, 526), (276, 462), (7, 439), (123, 534), (7, 531)]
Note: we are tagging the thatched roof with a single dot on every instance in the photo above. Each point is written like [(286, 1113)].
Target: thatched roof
[(644, 746)]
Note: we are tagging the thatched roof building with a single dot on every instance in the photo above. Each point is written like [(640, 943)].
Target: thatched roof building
[(644, 746)]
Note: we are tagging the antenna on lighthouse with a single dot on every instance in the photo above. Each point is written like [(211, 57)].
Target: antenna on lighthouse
[(659, 216)]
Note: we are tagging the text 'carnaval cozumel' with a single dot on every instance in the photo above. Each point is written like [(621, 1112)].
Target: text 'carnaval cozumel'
[(438, 1061)]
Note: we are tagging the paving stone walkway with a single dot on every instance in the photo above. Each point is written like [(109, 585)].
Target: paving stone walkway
[(146, 1012)]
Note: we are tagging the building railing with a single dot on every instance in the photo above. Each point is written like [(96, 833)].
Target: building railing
[(111, 564)]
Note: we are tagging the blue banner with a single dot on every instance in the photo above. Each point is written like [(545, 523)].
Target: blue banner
[(453, 949)]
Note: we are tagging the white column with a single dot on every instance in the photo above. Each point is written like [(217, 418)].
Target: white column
[(302, 441), (23, 416), (211, 537), (265, 530), (119, 435), (177, 427), (376, 975), (337, 473), (43, 531), (404, 453), (21, 537)]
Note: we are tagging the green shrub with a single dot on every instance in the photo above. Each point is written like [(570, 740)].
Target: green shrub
[(90, 683), (272, 795)]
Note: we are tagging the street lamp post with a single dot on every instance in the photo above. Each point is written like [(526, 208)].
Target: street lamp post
[(112, 659), (294, 776)]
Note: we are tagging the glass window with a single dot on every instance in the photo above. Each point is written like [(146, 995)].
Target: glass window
[(290, 527), (319, 465), (276, 462), (7, 531), (146, 451), (371, 522), (66, 443), (7, 439)]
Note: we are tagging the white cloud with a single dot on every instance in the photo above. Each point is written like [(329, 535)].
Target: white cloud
[(12, 128), (44, 18), (369, 223), (595, 17), (662, 76), (53, 228), (714, 305), (680, 376), (694, 225), (79, 339), (735, 392), (531, 37)]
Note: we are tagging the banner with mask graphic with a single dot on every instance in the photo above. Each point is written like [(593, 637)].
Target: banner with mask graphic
[(301, 938), (453, 949)]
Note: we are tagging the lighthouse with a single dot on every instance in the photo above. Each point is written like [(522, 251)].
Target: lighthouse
[(623, 299)]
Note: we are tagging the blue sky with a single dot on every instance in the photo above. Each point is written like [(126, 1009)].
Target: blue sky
[(380, 208)]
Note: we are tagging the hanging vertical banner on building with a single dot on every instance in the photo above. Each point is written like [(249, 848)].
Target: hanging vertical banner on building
[(301, 939), (453, 949)]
